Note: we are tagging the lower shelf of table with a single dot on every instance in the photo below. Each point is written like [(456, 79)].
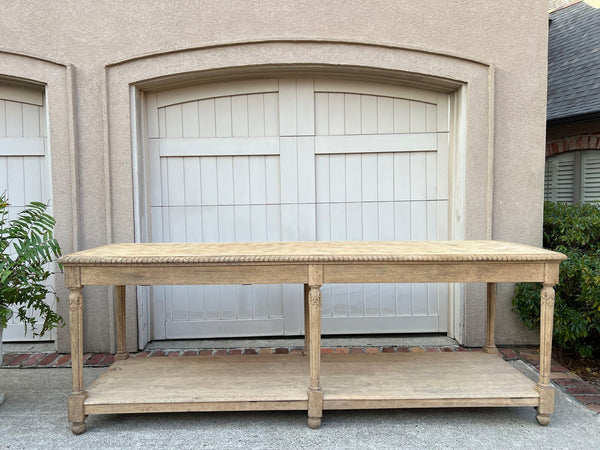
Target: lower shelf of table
[(279, 382)]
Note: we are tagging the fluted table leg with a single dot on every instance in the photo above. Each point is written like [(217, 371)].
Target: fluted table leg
[(78, 394), (315, 394), (543, 386)]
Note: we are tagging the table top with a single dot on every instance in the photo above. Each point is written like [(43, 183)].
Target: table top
[(311, 252)]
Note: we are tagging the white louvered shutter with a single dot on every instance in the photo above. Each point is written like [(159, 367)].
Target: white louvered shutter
[(590, 176), (559, 183)]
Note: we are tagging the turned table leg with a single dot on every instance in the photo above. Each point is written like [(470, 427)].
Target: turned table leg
[(120, 319), (78, 394), (315, 394), (543, 386), (490, 344)]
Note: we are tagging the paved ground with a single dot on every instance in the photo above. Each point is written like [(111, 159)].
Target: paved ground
[(34, 415)]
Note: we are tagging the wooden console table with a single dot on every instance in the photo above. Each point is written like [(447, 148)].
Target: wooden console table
[(309, 381)]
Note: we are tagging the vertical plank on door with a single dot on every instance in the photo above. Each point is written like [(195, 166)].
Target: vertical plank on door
[(208, 180), (15, 178), (369, 177), (431, 118), (32, 174), (321, 113), (442, 166), (206, 117), (239, 115), (442, 110), (162, 123), (271, 101), (174, 127), (305, 107), (287, 107), (31, 121), (223, 116), (418, 181), (322, 182), (190, 120), (256, 115), (151, 116), (402, 176), (402, 221), (401, 116), (431, 176), (191, 182), (225, 180), (241, 180), (385, 177), (385, 115), (352, 116), (306, 169), (2, 118), (273, 179), (418, 117), (353, 171), (175, 176), (155, 173), (14, 119), (368, 114), (336, 114)]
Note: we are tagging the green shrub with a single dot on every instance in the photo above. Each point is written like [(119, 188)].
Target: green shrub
[(575, 231), (27, 247)]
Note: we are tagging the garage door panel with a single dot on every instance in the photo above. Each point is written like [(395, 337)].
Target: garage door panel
[(360, 162), (23, 167)]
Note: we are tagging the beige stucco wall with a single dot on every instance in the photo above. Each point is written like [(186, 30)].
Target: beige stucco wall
[(495, 50)]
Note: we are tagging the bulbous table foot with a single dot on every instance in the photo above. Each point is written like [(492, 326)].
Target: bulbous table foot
[(314, 422), (543, 419), (78, 427)]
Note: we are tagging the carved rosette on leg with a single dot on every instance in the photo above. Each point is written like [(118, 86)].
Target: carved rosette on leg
[(543, 387), (315, 394), (78, 394)]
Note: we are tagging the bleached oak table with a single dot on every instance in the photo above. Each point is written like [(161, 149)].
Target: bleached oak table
[(309, 381)]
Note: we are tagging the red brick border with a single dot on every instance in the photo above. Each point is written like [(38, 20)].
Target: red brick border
[(569, 143)]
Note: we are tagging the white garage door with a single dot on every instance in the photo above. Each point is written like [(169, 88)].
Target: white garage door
[(297, 159), (22, 160)]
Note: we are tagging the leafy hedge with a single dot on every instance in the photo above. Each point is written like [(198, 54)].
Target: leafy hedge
[(575, 231)]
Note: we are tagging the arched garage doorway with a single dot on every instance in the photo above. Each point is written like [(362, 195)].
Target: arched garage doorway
[(289, 159)]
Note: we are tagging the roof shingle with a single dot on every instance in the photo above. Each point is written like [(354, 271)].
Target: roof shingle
[(574, 61)]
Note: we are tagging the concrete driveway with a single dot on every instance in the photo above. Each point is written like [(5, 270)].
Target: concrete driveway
[(34, 415)]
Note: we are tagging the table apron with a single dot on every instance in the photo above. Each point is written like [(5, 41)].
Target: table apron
[(273, 273)]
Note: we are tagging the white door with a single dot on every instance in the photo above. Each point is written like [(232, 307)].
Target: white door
[(23, 172), (297, 159)]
